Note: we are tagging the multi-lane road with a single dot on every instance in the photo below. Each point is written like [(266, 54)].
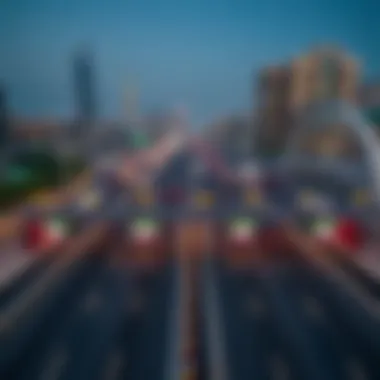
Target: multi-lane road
[(84, 313), (100, 320), (287, 321)]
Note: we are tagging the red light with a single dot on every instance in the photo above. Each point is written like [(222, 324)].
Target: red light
[(350, 234)]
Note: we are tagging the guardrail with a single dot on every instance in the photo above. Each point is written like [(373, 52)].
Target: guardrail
[(12, 221), (17, 325)]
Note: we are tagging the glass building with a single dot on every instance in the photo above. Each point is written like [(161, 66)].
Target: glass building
[(84, 88), (4, 121)]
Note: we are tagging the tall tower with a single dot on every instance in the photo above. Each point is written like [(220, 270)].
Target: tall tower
[(84, 89), (133, 119), (131, 110), (4, 119)]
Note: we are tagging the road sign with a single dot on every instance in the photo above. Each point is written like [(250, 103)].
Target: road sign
[(243, 229), (144, 230)]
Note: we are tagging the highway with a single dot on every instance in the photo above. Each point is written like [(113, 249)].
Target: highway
[(280, 320), (84, 312), (287, 321), (99, 321)]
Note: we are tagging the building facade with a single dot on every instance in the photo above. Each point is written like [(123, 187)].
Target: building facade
[(323, 74), (285, 90)]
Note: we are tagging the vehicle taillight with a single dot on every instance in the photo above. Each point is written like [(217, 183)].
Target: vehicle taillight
[(350, 234)]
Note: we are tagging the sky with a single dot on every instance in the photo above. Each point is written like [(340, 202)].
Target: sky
[(198, 54)]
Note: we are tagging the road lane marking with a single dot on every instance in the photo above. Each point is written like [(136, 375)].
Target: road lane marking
[(54, 368), (115, 365), (255, 306), (310, 250), (313, 308), (219, 369), (10, 317), (92, 302), (356, 370), (136, 303), (279, 369), (356, 290)]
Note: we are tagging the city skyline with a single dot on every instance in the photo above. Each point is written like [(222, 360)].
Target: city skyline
[(201, 55)]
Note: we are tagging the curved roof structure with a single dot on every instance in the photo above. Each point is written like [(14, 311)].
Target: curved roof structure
[(321, 115)]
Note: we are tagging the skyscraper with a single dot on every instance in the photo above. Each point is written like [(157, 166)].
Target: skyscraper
[(4, 119), (84, 88)]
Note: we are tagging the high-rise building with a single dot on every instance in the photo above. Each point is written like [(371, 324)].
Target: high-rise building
[(322, 74), (84, 87), (4, 119), (284, 90)]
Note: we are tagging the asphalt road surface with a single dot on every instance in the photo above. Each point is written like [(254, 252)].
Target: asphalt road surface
[(106, 325), (289, 322)]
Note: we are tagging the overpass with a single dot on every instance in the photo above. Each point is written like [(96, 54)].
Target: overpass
[(321, 116)]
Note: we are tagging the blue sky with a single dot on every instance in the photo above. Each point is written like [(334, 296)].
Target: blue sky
[(201, 54)]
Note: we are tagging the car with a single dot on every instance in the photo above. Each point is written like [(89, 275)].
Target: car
[(172, 195)]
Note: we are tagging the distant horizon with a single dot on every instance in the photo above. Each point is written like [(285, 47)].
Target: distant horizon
[(201, 55)]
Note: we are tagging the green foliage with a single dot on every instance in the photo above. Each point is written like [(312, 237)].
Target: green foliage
[(43, 166), (43, 169), (11, 192)]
